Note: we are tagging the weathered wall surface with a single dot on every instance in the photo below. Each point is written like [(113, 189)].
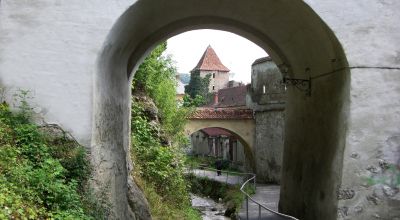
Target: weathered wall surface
[(219, 82), (370, 184), (50, 48), (370, 35), (199, 143), (267, 99), (269, 145)]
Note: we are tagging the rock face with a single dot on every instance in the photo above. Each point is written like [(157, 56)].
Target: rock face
[(137, 201), (151, 112)]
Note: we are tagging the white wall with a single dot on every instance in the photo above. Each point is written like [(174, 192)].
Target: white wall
[(50, 48), (370, 35)]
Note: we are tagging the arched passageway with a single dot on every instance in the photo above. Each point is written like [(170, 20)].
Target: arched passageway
[(296, 39), (243, 131)]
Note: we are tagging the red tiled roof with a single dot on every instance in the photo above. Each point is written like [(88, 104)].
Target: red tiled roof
[(232, 97), (210, 61), (216, 132), (222, 113)]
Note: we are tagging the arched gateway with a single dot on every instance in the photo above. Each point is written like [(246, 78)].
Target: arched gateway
[(239, 122), (300, 44)]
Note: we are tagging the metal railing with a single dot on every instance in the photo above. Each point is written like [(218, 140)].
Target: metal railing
[(229, 175), (248, 197), (260, 207)]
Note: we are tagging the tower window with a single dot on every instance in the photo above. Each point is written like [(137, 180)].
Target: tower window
[(213, 75), (213, 87)]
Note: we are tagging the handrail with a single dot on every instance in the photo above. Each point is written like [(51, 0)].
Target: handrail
[(259, 205), (239, 174), (252, 178)]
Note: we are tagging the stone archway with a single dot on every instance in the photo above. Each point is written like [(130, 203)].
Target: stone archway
[(242, 129), (296, 39)]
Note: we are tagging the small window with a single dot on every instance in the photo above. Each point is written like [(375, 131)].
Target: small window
[(213, 87), (213, 75), (263, 89)]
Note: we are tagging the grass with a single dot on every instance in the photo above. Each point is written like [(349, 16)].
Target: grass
[(163, 209)]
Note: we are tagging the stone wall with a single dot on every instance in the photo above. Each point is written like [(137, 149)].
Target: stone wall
[(371, 177), (267, 99), (200, 144), (219, 82)]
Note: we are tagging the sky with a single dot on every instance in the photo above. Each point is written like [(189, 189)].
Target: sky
[(235, 52)]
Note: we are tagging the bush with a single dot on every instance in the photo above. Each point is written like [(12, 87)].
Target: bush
[(156, 145), (160, 165), (39, 178)]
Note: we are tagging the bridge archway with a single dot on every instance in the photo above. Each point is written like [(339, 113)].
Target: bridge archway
[(242, 129), (299, 42)]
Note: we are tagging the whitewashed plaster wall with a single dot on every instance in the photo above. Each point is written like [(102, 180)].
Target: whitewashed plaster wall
[(50, 47), (369, 32)]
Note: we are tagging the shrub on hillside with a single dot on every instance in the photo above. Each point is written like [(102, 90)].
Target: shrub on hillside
[(41, 177)]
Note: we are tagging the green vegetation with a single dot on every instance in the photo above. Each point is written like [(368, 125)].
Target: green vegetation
[(208, 161), (230, 194), (42, 175), (157, 140), (156, 76), (197, 91)]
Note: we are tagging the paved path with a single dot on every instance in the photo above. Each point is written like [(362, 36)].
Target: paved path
[(223, 178), (267, 195)]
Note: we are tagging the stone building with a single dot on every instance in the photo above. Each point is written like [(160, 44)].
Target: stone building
[(217, 142), (267, 99), (210, 63), (221, 143)]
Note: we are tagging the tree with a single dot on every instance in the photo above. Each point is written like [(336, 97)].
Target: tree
[(156, 76), (196, 102), (197, 90)]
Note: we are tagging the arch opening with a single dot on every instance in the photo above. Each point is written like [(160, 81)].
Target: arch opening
[(222, 143), (315, 126)]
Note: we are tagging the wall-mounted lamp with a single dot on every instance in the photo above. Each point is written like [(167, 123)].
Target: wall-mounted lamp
[(301, 84)]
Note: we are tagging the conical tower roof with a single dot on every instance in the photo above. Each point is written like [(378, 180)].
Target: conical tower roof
[(210, 61)]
